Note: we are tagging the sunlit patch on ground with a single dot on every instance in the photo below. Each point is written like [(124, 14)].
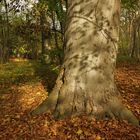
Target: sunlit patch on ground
[(18, 59), (20, 95), (31, 95)]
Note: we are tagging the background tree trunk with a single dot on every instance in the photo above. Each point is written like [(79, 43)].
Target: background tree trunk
[(4, 54), (43, 32), (60, 59), (86, 84), (135, 48)]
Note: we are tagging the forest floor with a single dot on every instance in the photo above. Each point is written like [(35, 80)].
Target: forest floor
[(25, 84)]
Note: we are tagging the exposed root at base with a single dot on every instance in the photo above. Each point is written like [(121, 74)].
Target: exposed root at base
[(116, 110), (111, 109), (49, 105)]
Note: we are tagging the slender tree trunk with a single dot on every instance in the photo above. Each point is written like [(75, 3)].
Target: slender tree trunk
[(86, 83), (43, 33), (2, 46), (138, 44), (45, 36), (135, 48), (56, 37), (66, 1), (34, 50), (5, 35), (62, 24), (8, 33)]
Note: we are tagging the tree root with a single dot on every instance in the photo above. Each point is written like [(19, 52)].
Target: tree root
[(115, 109), (48, 105)]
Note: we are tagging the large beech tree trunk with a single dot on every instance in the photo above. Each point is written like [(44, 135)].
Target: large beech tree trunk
[(85, 84)]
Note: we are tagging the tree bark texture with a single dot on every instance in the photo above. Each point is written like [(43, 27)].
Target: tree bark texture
[(135, 46), (43, 31), (5, 48), (60, 59), (86, 84)]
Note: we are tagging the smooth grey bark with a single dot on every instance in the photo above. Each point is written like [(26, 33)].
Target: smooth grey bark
[(43, 32), (86, 82), (5, 47), (60, 59), (135, 45)]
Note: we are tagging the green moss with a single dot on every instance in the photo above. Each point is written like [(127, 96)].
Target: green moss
[(126, 59)]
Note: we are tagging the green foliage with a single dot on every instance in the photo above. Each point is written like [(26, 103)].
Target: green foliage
[(57, 6), (25, 27), (130, 4), (16, 72), (30, 72), (126, 59)]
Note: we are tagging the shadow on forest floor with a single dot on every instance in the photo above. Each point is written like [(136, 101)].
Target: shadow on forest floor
[(46, 73), (21, 72), (23, 86)]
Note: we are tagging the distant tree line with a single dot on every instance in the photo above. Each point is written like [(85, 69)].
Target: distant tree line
[(35, 30)]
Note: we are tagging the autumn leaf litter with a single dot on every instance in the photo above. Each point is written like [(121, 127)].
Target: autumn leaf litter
[(17, 101)]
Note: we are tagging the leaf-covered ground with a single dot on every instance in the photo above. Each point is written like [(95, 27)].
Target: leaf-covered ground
[(25, 84)]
